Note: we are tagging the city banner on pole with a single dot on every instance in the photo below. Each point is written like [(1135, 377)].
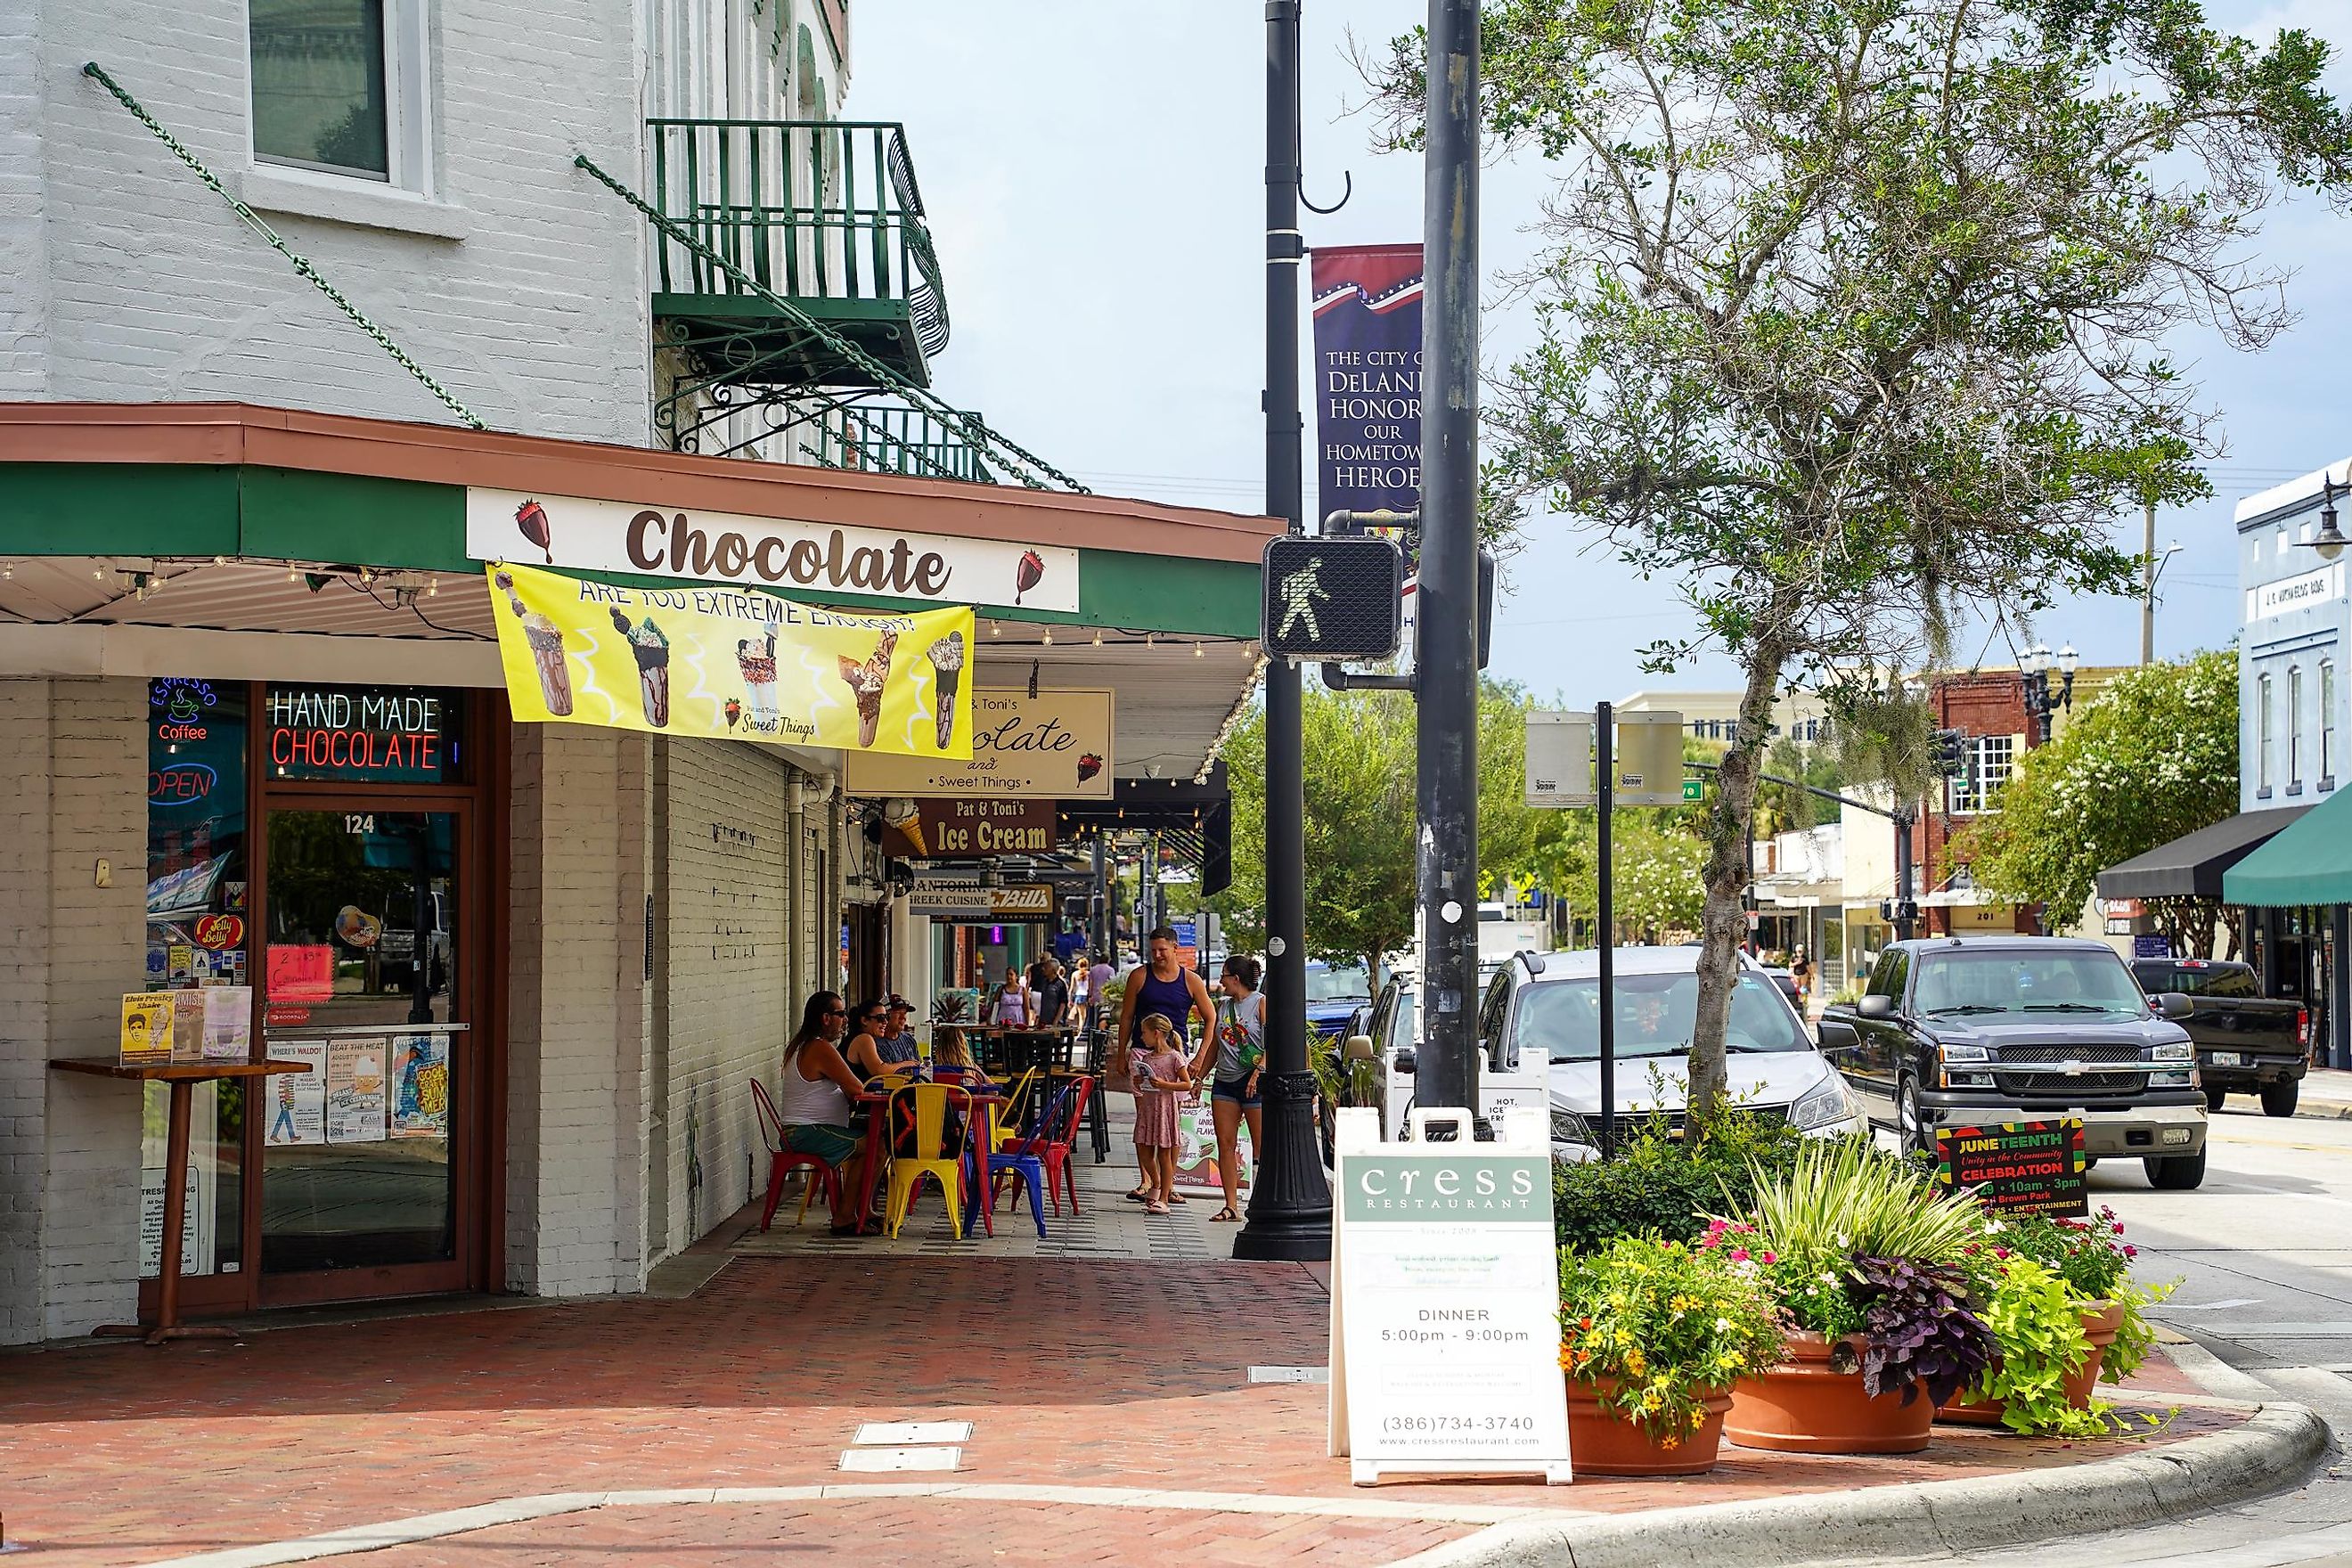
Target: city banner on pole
[(732, 663), (1368, 376)]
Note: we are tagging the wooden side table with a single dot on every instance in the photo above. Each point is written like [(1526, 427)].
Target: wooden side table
[(183, 1078)]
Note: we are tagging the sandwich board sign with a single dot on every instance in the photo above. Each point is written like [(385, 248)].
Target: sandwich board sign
[(1446, 1301)]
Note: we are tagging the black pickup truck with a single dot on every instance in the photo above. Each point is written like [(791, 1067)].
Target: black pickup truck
[(2247, 1043), (2017, 1029)]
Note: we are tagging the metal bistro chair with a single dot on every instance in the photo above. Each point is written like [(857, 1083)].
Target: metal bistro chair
[(782, 1160), (931, 1156)]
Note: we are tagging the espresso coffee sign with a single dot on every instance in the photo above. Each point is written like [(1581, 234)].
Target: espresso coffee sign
[(649, 539), (1053, 746)]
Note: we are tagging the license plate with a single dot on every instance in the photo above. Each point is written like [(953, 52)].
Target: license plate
[(2229, 1059)]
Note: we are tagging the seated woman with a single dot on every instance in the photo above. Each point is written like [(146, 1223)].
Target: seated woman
[(869, 1028), (816, 1099), (951, 1059)]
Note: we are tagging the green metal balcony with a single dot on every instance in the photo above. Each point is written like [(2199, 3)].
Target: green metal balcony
[(825, 213), (877, 438)]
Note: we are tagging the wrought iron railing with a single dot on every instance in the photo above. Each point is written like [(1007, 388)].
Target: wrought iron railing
[(897, 439), (809, 209)]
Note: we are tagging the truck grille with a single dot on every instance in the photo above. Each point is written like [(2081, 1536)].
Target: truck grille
[(2011, 1081)]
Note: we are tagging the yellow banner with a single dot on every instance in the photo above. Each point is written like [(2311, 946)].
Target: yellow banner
[(733, 664)]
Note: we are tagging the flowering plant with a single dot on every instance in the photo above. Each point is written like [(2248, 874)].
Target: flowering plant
[(1654, 1327), (2090, 1254), (1920, 1332), (2086, 1261)]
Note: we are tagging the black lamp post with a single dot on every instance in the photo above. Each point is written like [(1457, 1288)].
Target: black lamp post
[(2330, 542), (2044, 695)]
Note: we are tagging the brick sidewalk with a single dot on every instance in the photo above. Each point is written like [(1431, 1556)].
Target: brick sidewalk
[(1077, 1374)]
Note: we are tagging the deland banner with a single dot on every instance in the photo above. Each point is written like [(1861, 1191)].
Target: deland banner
[(1368, 376), (732, 664), (2027, 1167)]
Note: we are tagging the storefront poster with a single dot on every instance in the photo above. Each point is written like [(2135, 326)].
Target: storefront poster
[(296, 1102), (2023, 1167), (653, 540), (1368, 377), (420, 1085), (196, 1223), (146, 1027), (355, 1097), (733, 664), (1056, 745), (301, 973), (971, 829)]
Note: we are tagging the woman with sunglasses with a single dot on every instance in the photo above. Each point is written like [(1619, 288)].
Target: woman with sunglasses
[(869, 1032), (816, 1099)]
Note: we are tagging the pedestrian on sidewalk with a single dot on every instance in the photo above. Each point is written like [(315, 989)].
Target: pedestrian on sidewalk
[(1160, 1075), (1161, 985), (1232, 1058), (1009, 1008), (1800, 969)]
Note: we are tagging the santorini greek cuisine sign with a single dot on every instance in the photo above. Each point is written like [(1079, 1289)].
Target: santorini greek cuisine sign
[(650, 539), (1445, 1294)]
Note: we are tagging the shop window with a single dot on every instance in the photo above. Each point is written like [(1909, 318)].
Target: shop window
[(2262, 735), (364, 735), (337, 87), (197, 883), (1989, 764), (2294, 730)]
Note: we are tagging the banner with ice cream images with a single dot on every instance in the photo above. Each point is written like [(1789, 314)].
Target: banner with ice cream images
[(734, 664)]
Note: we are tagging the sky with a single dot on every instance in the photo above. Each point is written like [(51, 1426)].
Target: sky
[(1094, 172)]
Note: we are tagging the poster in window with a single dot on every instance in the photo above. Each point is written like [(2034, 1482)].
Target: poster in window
[(420, 1085), (297, 1101), (146, 1029), (355, 1098), (304, 973)]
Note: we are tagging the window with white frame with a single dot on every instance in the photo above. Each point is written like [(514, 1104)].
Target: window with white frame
[(2327, 723), (2262, 733), (1989, 762), (2294, 728), (337, 87)]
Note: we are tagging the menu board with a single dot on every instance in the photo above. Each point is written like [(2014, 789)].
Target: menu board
[(294, 1105), (2025, 1167), (355, 1098), (1446, 1301)]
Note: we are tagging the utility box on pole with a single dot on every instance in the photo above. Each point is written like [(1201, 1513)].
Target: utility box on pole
[(1560, 759)]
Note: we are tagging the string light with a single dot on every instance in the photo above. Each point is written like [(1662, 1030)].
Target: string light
[(1098, 637), (1049, 636), (1150, 639), (992, 630), (432, 586), (1197, 653), (293, 573)]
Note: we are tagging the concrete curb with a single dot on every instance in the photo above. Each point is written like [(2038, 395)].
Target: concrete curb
[(2275, 1448)]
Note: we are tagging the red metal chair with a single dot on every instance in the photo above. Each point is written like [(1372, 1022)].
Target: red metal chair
[(782, 1159), (1054, 1151)]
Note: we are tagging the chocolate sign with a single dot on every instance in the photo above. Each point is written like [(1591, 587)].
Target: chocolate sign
[(646, 537), (385, 732), (1056, 745)]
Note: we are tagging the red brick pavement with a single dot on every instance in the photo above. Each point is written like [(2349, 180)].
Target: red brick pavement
[(1100, 1373)]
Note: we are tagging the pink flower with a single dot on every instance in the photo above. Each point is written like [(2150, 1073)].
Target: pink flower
[(1769, 1260), (1739, 1255), (2000, 1252), (2119, 1230), (2130, 1251)]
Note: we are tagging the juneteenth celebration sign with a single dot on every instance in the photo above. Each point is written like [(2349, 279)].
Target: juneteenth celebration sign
[(733, 664), (1368, 376), (2027, 1167)]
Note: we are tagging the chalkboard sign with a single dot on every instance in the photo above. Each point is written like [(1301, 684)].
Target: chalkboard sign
[(2024, 1167)]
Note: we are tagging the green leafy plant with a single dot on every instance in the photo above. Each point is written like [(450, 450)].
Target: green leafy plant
[(2090, 1254), (2037, 1319), (1654, 1327), (1841, 1199), (1666, 1184), (1920, 1332), (2136, 1336)]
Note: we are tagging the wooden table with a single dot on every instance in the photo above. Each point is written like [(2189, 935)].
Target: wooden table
[(183, 1078)]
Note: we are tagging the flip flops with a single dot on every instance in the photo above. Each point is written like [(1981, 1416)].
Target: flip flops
[(1140, 1195), (1155, 1206), (1223, 1215)]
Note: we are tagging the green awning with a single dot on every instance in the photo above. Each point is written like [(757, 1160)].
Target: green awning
[(2309, 862)]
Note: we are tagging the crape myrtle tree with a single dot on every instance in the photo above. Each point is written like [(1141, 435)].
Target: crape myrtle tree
[(1852, 311), (2152, 757)]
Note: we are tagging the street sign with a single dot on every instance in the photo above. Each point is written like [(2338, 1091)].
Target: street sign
[(1694, 789), (1332, 598)]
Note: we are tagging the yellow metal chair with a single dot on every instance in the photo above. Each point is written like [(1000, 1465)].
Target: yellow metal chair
[(931, 1156)]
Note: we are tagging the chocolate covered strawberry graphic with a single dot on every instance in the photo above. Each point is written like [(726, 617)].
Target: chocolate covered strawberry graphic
[(531, 517), (734, 711), (1088, 767), (1028, 573)]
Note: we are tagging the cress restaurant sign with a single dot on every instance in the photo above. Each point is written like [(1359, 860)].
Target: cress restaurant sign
[(777, 552)]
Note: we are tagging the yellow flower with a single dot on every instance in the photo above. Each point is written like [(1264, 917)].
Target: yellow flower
[(1699, 1419)]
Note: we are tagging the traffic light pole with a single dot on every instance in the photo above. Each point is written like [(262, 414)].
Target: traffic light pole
[(1445, 660), (1290, 1202)]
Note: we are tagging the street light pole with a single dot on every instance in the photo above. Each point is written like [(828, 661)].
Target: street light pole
[(1447, 657), (1290, 1202)]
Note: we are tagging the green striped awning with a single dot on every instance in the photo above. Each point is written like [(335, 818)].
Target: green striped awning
[(2309, 862)]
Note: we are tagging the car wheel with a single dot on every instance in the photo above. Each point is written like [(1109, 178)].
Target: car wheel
[(2214, 1097), (2280, 1095), (2175, 1173), (1910, 1132)]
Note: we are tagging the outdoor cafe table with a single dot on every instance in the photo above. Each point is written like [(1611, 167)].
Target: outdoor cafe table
[(183, 1078), (877, 1105)]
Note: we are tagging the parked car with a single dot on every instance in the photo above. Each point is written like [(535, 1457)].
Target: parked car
[(1786, 981), (1962, 1031), (2246, 1043), (1540, 1039), (1334, 992)]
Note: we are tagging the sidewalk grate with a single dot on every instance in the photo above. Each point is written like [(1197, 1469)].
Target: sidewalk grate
[(888, 1434), (901, 1458)]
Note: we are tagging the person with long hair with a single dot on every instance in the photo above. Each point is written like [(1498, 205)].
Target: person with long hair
[(869, 1050), (816, 1097), (1235, 1049)]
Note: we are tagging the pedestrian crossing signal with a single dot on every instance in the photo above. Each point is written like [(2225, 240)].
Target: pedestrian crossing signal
[(1333, 598)]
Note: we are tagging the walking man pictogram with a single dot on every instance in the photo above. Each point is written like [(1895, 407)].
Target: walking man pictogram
[(1299, 592)]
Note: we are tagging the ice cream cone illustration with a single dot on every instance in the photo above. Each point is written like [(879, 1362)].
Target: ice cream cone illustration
[(907, 818), (947, 658), (1025, 576), (758, 665), (652, 651), (532, 520), (865, 682), (546, 640)]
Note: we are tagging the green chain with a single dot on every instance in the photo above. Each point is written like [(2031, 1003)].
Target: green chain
[(301, 263), (978, 434)]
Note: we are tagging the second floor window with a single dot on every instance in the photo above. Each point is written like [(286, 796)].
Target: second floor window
[(2327, 722), (2262, 733), (320, 95), (2294, 730), (1989, 762)]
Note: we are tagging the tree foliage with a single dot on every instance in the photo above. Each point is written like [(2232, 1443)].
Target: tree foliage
[(1853, 319), (2153, 756)]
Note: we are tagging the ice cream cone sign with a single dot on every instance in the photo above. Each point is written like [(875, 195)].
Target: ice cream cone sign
[(866, 682), (902, 814), (531, 519), (947, 659)]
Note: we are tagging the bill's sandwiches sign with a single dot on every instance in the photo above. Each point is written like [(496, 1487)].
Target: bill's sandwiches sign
[(655, 540)]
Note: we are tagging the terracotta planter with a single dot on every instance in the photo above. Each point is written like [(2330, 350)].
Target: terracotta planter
[(1602, 1443), (1805, 1405), (2100, 1326)]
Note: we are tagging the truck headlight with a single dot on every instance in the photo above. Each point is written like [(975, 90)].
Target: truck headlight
[(1822, 1107), (1963, 1053), (1568, 1127), (2183, 1077), (2181, 1051)]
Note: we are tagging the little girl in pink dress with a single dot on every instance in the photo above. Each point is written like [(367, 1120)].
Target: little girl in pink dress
[(1161, 1074)]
